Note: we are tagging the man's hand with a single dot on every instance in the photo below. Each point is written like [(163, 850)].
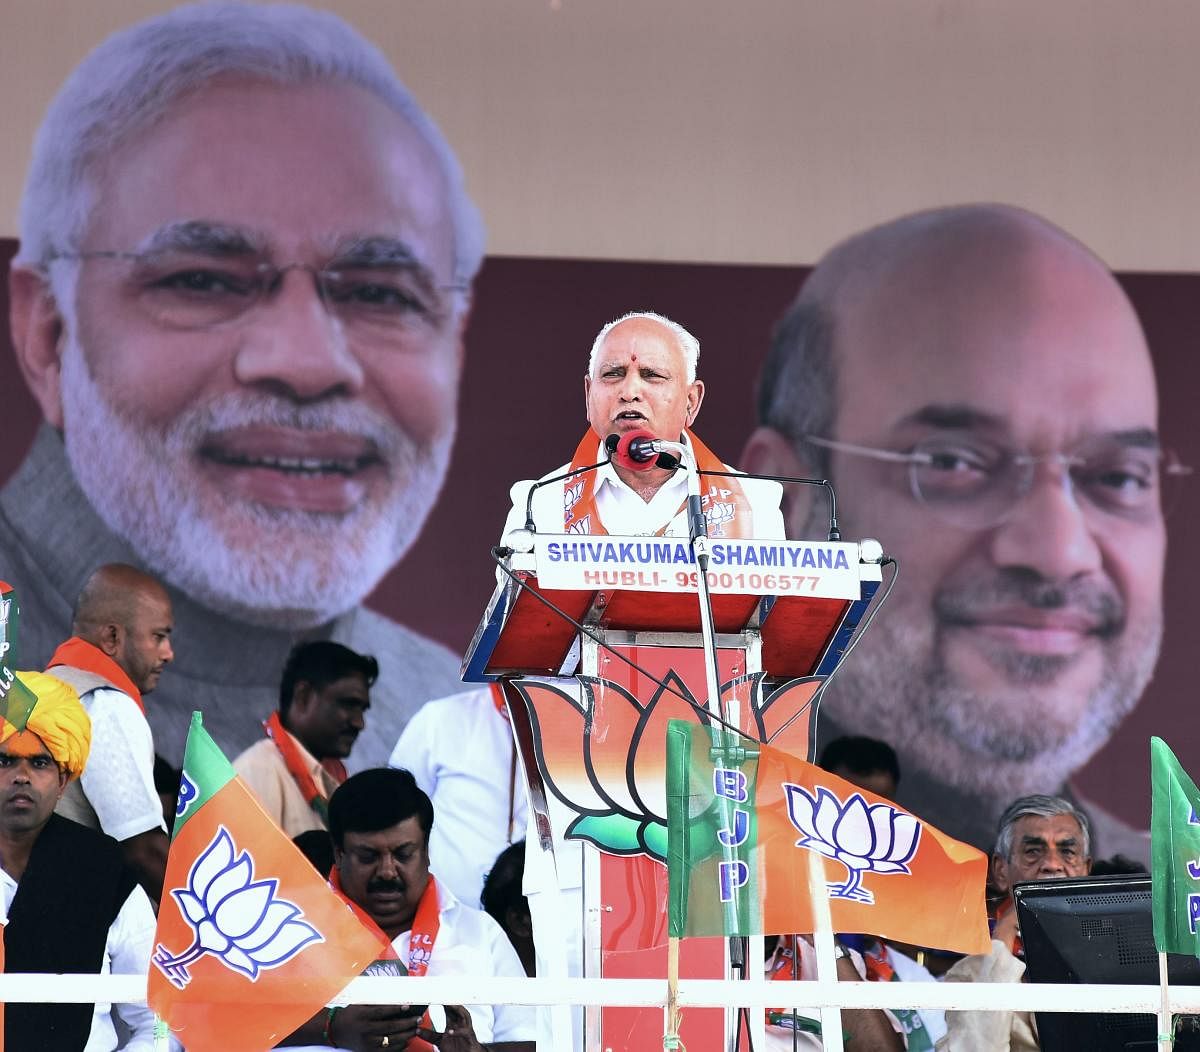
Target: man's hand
[(459, 1035), (368, 1028), (1006, 929), (146, 855)]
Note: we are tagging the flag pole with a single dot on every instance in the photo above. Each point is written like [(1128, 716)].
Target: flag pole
[(1166, 1031), (671, 1037), (831, 1018), (162, 1034)]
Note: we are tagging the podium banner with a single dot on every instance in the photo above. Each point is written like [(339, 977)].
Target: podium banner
[(818, 569)]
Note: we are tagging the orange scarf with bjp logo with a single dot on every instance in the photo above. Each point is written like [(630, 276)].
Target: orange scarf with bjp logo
[(726, 506)]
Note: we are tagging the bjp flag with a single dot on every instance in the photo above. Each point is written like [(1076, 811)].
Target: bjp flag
[(743, 819), (251, 940)]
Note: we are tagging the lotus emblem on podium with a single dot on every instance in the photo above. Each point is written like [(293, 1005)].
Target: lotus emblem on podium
[(865, 838), (602, 752)]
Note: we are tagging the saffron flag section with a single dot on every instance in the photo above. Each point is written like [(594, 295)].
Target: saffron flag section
[(1174, 853), (251, 940), (742, 819)]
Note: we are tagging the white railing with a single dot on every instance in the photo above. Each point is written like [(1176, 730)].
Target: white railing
[(653, 993)]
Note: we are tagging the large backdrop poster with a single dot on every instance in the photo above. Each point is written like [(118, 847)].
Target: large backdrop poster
[(521, 412)]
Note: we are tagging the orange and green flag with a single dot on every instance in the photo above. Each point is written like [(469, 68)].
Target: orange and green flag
[(1174, 853), (742, 820), (16, 699), (251, 941)]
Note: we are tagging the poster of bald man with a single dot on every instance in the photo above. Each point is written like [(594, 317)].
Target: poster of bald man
[(303, 411)]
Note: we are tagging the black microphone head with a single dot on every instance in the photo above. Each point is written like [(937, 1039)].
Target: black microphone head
[(611, 443), (634, 451)]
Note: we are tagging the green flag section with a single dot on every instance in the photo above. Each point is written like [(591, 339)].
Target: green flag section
[(743, 820), (1174, 853), (251, 940), (16, 699)]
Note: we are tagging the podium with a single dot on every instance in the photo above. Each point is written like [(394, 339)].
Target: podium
[(589, 712)]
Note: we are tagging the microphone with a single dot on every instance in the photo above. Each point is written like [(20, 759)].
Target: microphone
[(610, 445), (641, 451)]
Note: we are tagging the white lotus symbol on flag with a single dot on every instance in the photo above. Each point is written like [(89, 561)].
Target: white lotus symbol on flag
[(237, 919), (865, 838)]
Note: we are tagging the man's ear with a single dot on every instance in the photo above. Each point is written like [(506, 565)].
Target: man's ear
[(37, 334), (1000, 873), (110, 639), (695, 397), (302, 695), (770, 452)]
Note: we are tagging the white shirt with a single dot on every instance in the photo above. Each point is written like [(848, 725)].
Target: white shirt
[(460, 750), (126, 952), (118, 780), (623, 511), (470, 943)]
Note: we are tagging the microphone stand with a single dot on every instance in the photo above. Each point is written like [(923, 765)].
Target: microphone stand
[(725, 751)]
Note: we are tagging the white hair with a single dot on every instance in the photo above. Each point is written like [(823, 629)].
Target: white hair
[(127, 83), (688, 343)]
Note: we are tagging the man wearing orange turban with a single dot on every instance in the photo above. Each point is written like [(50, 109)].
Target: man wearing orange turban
[(72, 903)]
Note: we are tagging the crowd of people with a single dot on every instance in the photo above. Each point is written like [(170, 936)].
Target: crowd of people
[(972, 379)]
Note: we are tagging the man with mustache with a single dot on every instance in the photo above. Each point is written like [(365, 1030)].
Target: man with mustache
[(120, 643), (380, 821), (69, 901), (977, 386), (1040, 838), (244, 274), (323, 702)]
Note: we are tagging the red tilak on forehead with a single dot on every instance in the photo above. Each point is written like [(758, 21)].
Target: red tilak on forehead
[(633, 357)]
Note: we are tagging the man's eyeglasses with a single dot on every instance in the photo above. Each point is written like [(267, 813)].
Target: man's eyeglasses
[(974, 483), (189, 290)]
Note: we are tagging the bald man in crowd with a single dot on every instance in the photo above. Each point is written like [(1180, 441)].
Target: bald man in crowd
[(70, 901), (977, 386), (121, 643)]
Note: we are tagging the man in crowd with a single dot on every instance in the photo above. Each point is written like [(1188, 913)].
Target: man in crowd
[(641, 377), (380, 822), (323, 700), (978, 388), (504, 901), (247, 358), (474, 780), (866, 762), (1040, 838), (120, 644), (71, 901)]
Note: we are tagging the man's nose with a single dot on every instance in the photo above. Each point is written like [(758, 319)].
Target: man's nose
[(357, 719), (166, 652), (291, 343), (1048, 532), (1053, 865), (388, 870)]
